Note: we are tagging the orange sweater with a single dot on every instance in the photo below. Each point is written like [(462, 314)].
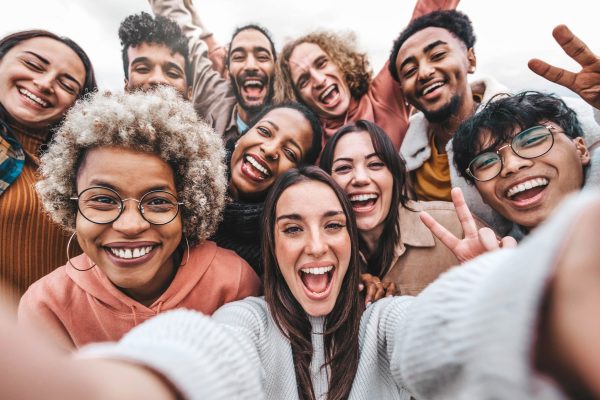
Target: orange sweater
[(80, 307)]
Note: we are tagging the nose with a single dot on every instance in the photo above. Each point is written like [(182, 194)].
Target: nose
[(425, 70), (512, 163), (251, 63), (318, 78), (131, 222), (360, 176), (316, 246), (157, 77), (270, 150), (44, 83)]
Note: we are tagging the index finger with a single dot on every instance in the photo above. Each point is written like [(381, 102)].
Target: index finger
[(464, 214), (573, 46), (443, 234)]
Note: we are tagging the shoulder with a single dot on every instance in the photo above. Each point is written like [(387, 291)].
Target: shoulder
[(251, 314), (53, 291)]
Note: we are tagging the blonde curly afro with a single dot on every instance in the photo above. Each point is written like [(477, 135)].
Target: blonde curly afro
[(158, 122)]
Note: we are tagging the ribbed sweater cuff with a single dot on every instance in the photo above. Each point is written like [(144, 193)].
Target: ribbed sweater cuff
[(196, 355)]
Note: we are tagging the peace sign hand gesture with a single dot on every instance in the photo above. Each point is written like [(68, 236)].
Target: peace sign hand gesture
[(475, 242), (586, 83)]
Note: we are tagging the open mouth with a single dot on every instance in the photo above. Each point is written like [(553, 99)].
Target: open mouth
[(527, 190), (255, 168), (253, 88), (130, 253), (35, 99), (330, 96), (317, 280), (363, 202), (432, 88)]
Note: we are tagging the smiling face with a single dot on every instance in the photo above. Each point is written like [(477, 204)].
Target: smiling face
[(276, 143), (251, 69), (40, 78), (114, 246), (152, 64), (312, 245), (319, 81), (527, 190), (366, 180), (432, 66)]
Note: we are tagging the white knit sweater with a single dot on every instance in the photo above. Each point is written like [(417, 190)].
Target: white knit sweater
[(467, 336)]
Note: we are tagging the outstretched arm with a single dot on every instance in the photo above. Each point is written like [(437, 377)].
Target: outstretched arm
[(586, 83), (475, 242)]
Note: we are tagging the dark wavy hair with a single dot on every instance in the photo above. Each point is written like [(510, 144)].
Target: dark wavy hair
[(10, 41), (341, 325), (379, 262), (254, 27), (453, 21), (501, 116), (317, 132), (143, 28)]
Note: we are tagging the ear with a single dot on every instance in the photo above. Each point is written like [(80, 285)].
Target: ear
[(472, 60), (125, 84), (188, 93), (582, 150)]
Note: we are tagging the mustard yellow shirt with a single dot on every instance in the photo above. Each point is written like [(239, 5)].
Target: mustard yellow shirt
[(432, 179)]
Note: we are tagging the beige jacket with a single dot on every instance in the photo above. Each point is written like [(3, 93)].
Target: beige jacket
[(419, 256)]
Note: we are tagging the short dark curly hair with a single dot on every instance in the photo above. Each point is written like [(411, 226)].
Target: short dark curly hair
[(143, 28), (453, 21), (501, 116)]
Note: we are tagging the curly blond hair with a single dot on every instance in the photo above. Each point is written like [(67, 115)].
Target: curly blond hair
[(341, 48), (158, 122)]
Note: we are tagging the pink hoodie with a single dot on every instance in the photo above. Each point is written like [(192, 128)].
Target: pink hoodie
[(79, 307)]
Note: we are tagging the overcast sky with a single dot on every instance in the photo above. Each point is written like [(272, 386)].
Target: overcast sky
[(508, 32)]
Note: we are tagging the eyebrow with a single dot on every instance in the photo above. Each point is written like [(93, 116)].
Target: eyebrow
[(100, 182), (426, 49), (297, 217), (46, 62), (292, 141), (374, 154)]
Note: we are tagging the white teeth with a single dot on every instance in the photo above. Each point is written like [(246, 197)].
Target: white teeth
[(131, 253), (33, 97), (523, 186), (363, 197), (253, 82), (326, 93), (257, 165), (318, 270), (432, 87)]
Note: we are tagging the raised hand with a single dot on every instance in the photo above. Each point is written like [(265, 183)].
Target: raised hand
[(475, 242), (586, 83)]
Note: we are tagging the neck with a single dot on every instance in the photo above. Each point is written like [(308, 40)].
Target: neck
[(245, 115), (444, 130), (371, 238), (150, 292)]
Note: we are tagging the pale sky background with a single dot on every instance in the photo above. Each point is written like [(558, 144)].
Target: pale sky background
[(508, 32)]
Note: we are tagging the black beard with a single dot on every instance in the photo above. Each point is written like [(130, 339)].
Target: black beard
[(251, 109), (444, 113)]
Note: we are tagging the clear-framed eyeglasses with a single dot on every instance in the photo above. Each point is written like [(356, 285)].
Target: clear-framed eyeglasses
[(530, 143), (102, 205)]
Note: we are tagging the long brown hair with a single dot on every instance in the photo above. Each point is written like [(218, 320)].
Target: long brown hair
[(379, 262), (341, 325)]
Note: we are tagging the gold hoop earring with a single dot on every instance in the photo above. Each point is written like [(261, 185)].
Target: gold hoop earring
[(69, 257), (187, 244)]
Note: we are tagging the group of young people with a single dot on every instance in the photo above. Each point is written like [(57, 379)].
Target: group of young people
[(198, 186)]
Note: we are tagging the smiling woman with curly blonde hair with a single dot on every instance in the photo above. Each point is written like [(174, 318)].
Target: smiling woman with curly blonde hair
[(326, 72), (140, 181)]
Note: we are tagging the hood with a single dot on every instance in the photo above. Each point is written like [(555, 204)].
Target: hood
[(95, 283)]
